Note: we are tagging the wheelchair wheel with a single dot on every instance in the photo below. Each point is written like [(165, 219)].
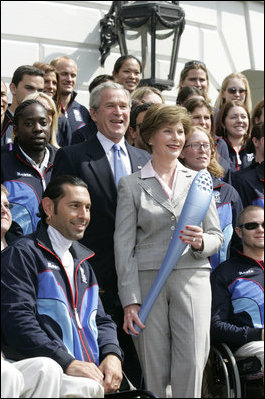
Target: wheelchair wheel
[(215, 382)]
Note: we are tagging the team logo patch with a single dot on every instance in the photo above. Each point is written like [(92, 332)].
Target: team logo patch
[(78, 116), (24, 174), (52, 266), (83, 276), (217, 197), (250, 271), (250, 157)]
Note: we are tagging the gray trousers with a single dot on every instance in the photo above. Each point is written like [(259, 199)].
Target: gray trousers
[(173, 348)]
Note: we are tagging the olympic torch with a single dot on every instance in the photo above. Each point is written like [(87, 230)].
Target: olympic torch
[(193, 212)]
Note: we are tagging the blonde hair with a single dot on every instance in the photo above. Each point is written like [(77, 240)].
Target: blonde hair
[(159, 115), (54, 124), (4, 190), (140, 92), (214, 167), (220, 100), (56, 60)]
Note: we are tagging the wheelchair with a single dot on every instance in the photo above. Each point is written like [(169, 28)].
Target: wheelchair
[(127, 390), (224, 377)]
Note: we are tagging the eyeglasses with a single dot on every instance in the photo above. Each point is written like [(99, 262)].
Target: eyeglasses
[(6, 205), (234, 90), (190, 63), (198, 146), (252, 225)]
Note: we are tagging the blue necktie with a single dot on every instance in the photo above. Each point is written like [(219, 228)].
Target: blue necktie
[(119, 168)]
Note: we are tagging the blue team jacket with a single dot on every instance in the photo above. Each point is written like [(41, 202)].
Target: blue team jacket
[(40, 314), (24, 184), (237, 301)]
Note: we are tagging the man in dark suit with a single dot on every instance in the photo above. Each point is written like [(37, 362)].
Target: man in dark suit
[(93, 161)]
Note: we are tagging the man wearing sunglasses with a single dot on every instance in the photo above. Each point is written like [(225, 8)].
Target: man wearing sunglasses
[(238, 291)]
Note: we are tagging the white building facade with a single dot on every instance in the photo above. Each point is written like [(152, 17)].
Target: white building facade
[(228, 36)]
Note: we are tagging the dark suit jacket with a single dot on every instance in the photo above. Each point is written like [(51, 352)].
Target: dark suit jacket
[(88, 161)]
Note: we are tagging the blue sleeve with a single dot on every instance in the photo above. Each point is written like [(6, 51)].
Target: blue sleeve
[(222, 330), (21, 330)]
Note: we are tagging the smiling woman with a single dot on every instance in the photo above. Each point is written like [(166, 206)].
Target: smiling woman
[(234, 126), (199, 153), (148, 208), (127, 71), (234, 87)]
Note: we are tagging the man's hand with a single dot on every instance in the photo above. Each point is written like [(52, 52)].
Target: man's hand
[(84, 369), (111, 368)]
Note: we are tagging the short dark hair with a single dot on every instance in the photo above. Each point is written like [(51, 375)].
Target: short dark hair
[(55, 191), (21, 107), (118, 64), (258, 133), (98, 80), (25, 70), (136, 111), (187, 91)]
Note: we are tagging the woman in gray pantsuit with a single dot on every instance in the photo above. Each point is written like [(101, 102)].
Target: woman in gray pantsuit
[(174, 344)]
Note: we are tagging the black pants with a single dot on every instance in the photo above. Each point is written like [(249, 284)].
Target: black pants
[(131, 365)]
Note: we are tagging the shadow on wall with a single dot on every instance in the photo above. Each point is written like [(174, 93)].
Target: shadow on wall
[(256, 83), (87, 59)]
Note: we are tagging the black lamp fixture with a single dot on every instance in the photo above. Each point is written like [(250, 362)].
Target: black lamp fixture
[(142, 26)]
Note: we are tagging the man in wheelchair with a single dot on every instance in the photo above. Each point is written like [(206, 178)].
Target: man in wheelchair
[(238, 292)]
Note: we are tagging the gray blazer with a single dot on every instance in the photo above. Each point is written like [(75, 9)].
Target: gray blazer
[(145, 221)]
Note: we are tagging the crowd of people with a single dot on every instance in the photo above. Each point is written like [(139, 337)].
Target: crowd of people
[(90, 199)]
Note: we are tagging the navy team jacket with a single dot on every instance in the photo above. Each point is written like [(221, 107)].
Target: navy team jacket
[(249, 183), (7, 129), (73, 118), (24, 184), (237, 301), (40, 314)]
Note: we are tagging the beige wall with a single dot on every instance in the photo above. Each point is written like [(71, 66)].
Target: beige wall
[(227, 36)]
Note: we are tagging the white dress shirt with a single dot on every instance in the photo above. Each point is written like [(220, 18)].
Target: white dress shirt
[(107, 145), (40, 167)]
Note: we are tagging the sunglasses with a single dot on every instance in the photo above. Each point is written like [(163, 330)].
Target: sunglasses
[(190, 63), (252, 225), (234, 90), (6, 205)]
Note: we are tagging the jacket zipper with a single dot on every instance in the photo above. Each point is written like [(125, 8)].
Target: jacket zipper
[(78, 322)]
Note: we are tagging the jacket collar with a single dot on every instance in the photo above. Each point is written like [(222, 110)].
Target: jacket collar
[(16, 149), (246, 259), (77, 250), (152, 186)]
